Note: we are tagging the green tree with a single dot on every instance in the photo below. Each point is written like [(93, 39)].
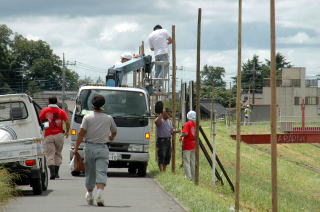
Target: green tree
[(30, 65), (281, 62), (5, 42), (211, 74), (213, 77)]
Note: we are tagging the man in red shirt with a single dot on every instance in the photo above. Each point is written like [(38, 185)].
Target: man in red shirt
[(189, 145), (54, 134)]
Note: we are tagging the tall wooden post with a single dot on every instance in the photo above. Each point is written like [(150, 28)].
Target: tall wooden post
[(135, 79), (197, 164), (139, 71), (238, 104), (174, 97), (142, 71), (273, 108), (213, 131)]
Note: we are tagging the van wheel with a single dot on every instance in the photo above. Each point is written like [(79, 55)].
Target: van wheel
[(44, 176), (142, 169), (36, 184)]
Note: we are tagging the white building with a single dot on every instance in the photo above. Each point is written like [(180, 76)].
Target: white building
[(291, 90)]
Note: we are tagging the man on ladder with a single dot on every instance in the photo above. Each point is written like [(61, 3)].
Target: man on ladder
[(159, 40)]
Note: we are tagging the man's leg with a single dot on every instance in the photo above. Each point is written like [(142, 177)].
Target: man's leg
[(102, 162), (186, 163), (90, 168), (192, 163), (59, 140), (167, 153), (50, 152), (157, 73), (160, 154)]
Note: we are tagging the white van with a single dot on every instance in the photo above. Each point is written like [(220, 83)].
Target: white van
[(130, 110)]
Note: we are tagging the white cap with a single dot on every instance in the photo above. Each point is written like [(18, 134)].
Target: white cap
[(126, 55), (191, 115)]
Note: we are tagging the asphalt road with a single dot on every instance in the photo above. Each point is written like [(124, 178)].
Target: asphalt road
[(123, 193)]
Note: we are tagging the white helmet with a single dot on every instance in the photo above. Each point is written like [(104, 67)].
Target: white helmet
[(126, 55), (191, 115)]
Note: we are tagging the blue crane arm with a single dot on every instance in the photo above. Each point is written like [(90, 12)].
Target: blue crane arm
[(115, 74)]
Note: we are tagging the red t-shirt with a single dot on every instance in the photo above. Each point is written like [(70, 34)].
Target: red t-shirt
[(189, 142), (54, 115)]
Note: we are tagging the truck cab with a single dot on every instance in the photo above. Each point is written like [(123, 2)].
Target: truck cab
[(130, 110)]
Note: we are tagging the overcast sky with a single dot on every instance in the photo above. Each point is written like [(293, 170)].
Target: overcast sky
[(96, 32)]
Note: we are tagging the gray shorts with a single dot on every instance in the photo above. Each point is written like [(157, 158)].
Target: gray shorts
[(96, 161)]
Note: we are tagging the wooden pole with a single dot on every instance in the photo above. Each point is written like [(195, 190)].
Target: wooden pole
[(197, 164), (139, 71), (213, 130), (174, 97), (273, 108), (238, 104), (135, 79), (142, 71)]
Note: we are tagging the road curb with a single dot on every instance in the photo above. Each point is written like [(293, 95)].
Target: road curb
[(176, 200)]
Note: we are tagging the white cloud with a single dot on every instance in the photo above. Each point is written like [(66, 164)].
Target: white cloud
[(99, 40), (299, 38), (32, 37)]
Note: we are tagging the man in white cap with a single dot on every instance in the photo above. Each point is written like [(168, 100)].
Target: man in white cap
[(189, 144), (126, 56)]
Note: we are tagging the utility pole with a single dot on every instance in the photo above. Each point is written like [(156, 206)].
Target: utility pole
[(63, 81)]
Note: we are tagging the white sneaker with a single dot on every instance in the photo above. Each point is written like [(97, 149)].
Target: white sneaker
[(100, 201), (89, 198)]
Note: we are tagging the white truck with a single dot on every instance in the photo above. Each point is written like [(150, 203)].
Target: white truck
[(21, 137), (130, 110)]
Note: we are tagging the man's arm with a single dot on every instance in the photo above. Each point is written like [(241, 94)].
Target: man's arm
[(169, 40), (67, 128), (112, 135), (80, 137), (113, 129), (158, 119)]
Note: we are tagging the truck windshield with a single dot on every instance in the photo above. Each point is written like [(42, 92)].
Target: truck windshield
[(118, 103)]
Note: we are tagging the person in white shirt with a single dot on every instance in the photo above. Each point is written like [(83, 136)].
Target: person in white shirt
[(159, 40), (126, 56)]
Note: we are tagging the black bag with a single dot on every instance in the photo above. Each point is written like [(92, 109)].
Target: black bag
[(158, 108)]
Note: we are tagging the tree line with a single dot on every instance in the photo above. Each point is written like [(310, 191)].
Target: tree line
[(30, 66), (254, 71)]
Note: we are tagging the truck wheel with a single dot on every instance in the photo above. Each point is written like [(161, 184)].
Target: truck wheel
[(132, 169), (44, 177), (142, 169), (36, 184)]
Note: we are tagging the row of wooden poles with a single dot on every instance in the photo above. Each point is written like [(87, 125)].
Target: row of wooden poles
[(238, 103)]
